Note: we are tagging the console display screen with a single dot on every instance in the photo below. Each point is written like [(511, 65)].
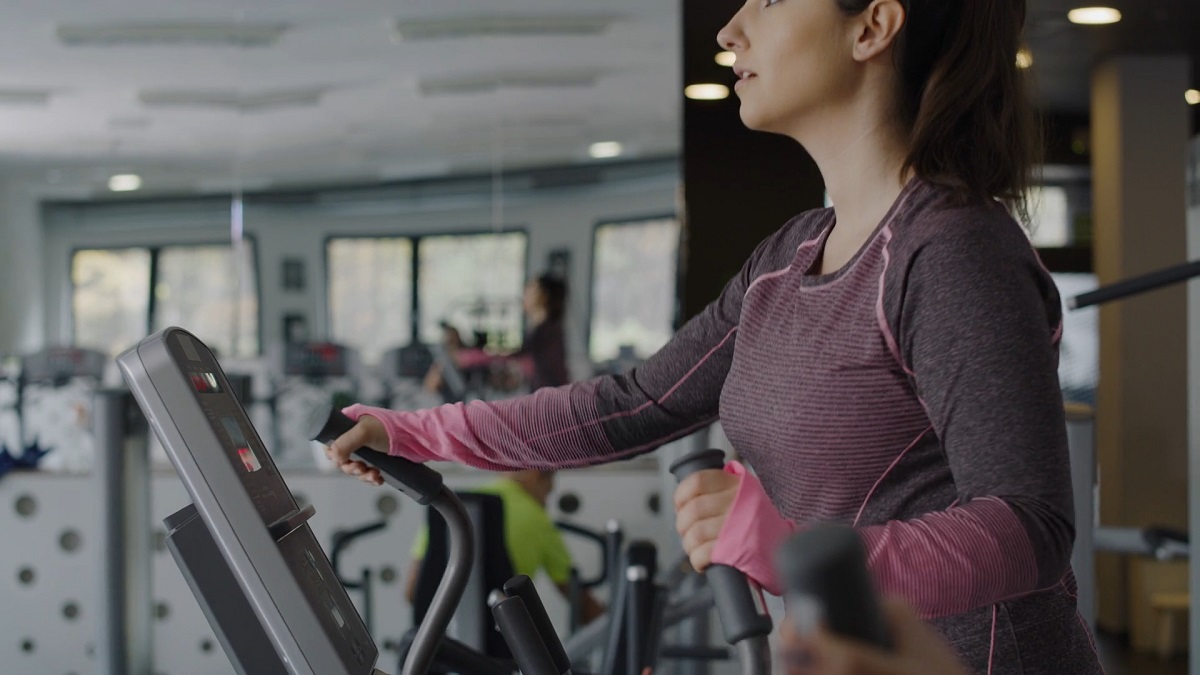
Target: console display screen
[(237, 435), (258, 475), (205, 383), (244, 451)]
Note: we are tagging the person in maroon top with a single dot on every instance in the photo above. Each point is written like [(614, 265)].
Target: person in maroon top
[(544, 351), (889, 363)]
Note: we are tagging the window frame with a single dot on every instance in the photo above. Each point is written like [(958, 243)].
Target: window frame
[(591, 284), (154, 251)]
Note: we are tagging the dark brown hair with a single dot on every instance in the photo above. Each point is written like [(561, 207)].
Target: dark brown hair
[(963, 101), (554, 290)]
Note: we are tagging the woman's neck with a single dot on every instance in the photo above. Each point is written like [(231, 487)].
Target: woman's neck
[(860, 154)]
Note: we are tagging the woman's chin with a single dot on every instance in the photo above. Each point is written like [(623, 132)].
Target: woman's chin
[(752, 120)]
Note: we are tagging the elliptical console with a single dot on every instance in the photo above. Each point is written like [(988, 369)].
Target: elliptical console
[(244, 544)]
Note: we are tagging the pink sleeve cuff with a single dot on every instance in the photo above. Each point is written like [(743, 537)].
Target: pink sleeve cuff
[(472, 358), (752, 532), (400, 426)]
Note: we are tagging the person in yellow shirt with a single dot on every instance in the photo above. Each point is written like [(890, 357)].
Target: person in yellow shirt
[(532, 540)]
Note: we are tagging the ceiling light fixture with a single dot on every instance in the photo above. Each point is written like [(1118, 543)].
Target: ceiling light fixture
[(231, 99), (24, 97), (1094, 16), (706, 92), (605, 149), (1024, 59), (502, 26), (487, 83), (203, 33), (125, 182), (726, 59), (1192, 96)]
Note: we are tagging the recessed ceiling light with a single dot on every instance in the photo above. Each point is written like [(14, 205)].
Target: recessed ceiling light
[(1192, 96), (706, 92), (605, 149), (1094, 16), (125, 182), (726, 59), (1024, 59)]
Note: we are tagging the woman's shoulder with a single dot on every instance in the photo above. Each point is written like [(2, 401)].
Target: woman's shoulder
[(934, 224), (805, 226), (960, 248), (778, 249)]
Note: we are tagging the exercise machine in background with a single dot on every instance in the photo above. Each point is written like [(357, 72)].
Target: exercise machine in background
[(1158, 542)]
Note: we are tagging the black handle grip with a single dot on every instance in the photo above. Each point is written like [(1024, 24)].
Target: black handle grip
[(697, 461), (825, 572), (522, 587), (326, 423), (739, 600), (514, 622), (1136, 285)]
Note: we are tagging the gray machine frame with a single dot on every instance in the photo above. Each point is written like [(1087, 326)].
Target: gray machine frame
[(248, 545)]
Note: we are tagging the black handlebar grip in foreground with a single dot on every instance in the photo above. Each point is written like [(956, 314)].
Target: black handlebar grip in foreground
[(825, 573), (739, 600), (326, 423), (522, 587), (524, 641)]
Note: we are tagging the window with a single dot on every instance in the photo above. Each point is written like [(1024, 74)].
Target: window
[(111, 298), (1050, 216), (633, 287), (473, 282), (370, 293), (211, 290)]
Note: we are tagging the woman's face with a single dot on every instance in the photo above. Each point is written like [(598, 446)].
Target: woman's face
[(534, 298), (794, 60)]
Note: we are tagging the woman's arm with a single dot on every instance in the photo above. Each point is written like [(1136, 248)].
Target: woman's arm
[(674, 393), (978, 332)]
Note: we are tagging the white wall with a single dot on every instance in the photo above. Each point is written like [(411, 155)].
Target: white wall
[(22, 300), (552, 217)]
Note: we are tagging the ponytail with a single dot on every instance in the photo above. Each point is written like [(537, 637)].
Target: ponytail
[(963, 100)]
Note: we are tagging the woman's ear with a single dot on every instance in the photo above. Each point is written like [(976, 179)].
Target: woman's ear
[(876, 28)]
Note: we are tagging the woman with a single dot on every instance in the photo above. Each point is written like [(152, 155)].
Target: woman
[(889, 363), (543, 355)]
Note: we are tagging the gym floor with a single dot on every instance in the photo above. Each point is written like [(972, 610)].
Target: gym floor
[(1120, 660)]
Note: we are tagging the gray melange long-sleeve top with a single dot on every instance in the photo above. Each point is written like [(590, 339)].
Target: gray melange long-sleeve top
[(912, 394)]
